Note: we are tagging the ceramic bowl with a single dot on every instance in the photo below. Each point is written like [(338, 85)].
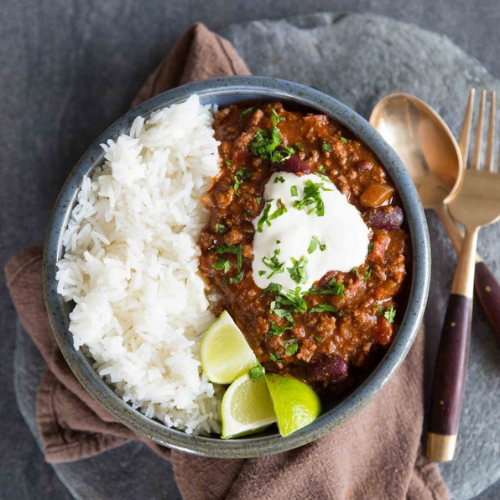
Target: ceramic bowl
[(224, 91)]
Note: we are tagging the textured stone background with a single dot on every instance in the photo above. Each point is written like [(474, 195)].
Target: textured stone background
[(68, 69)]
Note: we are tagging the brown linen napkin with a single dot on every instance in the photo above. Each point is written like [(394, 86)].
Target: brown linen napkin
[(376, 455)]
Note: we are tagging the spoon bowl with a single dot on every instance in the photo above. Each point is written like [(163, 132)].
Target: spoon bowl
[(424, 143)]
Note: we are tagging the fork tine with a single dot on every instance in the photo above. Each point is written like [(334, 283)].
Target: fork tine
[(491, 134), (476, 157), (466, 126)]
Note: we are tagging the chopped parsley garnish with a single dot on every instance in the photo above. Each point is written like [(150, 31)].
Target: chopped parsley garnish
[(228, 163), (343, 139), (265, 144), (298, 271), (312, 196), (275, 116), (355, 271), (367, 273), (294, 190), (258, 199), (267, 218), (234, 249), (370, 247), (276, 331), (326, 147), (220, 228), (325, 308), (323, 178), (299, 146), (279, 179), (261, 273), (333, 287), (390, 314), (274, 264), (293, 301), (271, 288), (321, 168), (275, 356), (265, 214), (296, 300), (314, 245), (222, 265), (319, 340), (282, 313), (240, 177), (246, 112), (237, 278), (278, 242), (256, 373), (279, 211), (292, 348), (285, 152)]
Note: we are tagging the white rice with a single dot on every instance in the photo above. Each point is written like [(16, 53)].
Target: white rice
[(131, 266)]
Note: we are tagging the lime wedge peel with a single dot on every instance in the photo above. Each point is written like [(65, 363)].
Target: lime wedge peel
[(246, 408), (225, 353), (250, 406), (295, 403)]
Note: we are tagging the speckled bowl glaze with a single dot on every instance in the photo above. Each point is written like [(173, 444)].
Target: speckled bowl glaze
[(224, 91)]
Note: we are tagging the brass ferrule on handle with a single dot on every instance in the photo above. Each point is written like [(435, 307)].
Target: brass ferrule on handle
[(463, 283), (441, 447)]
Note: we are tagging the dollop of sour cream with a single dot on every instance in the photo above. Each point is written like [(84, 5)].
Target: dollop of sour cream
[(307, 228)]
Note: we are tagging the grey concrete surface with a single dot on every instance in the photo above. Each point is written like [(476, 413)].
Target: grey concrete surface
[(69, 68)]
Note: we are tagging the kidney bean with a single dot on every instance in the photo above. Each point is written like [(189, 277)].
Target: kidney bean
[(331, 368), (295, 165), (384, 217), (363, 166)]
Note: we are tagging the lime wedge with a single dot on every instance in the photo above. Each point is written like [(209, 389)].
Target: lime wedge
[(225, 354), (295, 403), (246, 408)]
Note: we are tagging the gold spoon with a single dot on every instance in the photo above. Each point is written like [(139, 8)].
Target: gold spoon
[(433, 159)]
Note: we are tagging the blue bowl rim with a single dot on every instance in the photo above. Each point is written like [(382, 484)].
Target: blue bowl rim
[(240, 88)]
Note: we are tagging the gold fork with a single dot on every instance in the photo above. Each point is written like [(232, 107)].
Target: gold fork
[(476, 204)]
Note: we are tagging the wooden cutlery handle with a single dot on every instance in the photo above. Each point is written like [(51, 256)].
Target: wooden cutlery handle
[(488, 292), (449, 379)]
